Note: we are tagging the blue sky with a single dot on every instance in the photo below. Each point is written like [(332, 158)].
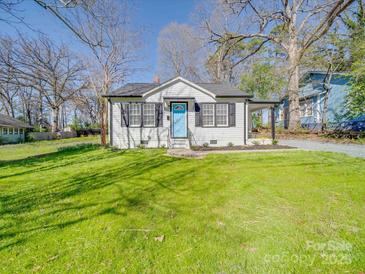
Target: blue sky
[(152, 15)]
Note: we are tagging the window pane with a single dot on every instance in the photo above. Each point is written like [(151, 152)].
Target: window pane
[(208, 114), (302, 109), (222, 114), (149, 114), (306, 108), (135, 114), (15, 131), (309, 109), (10, 130)]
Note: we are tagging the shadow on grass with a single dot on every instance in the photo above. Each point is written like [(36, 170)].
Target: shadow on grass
[(61, 151), (48, 161), (130, 178)]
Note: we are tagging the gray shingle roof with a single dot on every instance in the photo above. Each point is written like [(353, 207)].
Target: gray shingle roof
[(224, 90), (132, 90), (12, 122), (138, 89)]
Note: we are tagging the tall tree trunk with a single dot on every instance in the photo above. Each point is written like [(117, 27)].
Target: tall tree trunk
[(103, 120), (327, 89), (293, 86), (324, 113), (104, 106), (40, 111), (29, 116), (12, 109), (55, 118), (63, 116)]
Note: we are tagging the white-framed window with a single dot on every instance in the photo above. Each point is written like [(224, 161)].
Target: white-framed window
[(135, 115), (10, 130), (306, 108), (221, 114), (149, 115), (208, 115), (16, 131), (5, 131)]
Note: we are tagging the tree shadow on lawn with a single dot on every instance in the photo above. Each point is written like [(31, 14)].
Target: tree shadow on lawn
[(43, 203), (44, 162)]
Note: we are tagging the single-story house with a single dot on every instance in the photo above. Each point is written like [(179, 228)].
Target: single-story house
[(179, 113), (311, 101), (12, 130)]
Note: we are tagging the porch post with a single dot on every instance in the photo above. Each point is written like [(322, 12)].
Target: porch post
[(273, 123), (245, 121)]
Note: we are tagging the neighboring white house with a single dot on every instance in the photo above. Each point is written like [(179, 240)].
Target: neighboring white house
[(179, 114)]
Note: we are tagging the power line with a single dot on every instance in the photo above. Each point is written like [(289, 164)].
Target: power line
[(63, 19)]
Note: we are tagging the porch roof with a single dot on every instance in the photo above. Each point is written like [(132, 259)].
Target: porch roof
[(257, 104)]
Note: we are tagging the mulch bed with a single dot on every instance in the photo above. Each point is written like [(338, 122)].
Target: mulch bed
[(253, 147)]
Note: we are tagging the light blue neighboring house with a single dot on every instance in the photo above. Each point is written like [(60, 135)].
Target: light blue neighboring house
[(12, 130), (311, 102)]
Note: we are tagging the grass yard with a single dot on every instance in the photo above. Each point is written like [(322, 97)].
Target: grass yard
[(94, 210), (40, 148)]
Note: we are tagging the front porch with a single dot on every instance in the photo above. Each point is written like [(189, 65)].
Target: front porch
[(256, 105)]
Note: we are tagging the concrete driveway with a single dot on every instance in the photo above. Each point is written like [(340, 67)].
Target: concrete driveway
[(349, 149)]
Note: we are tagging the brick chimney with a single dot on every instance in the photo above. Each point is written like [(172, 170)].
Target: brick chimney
[(156, 79)]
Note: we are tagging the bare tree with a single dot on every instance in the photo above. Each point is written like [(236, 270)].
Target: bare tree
[(104, 26), (9, 11), (8, 96), (9, 88), (88, 105), (292, 26), (180, 52), (114, 44), (56, 73), (28, 102)]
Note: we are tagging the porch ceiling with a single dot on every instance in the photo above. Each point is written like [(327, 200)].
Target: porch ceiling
[(255, 107)]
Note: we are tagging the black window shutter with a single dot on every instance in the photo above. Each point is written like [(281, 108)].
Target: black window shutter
[(232, 114), (215, 114), (124, 115), (198, 115), (142, 116), (158, 114)]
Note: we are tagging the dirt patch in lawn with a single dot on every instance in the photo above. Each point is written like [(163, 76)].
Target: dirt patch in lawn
[(253, 147)]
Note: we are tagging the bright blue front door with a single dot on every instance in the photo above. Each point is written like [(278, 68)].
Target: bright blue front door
[(179, 120)]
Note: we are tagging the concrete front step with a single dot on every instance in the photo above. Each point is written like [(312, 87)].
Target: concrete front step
[(179, 143)]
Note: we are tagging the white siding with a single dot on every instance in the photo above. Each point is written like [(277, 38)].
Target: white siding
[(180, 89), (223, 135), (124, 137), (156, 137)]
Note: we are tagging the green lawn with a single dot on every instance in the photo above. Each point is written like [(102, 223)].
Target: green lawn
[(16, 152), (93, 210)]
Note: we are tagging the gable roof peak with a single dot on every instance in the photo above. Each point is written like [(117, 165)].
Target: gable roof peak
[(212, 89)]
